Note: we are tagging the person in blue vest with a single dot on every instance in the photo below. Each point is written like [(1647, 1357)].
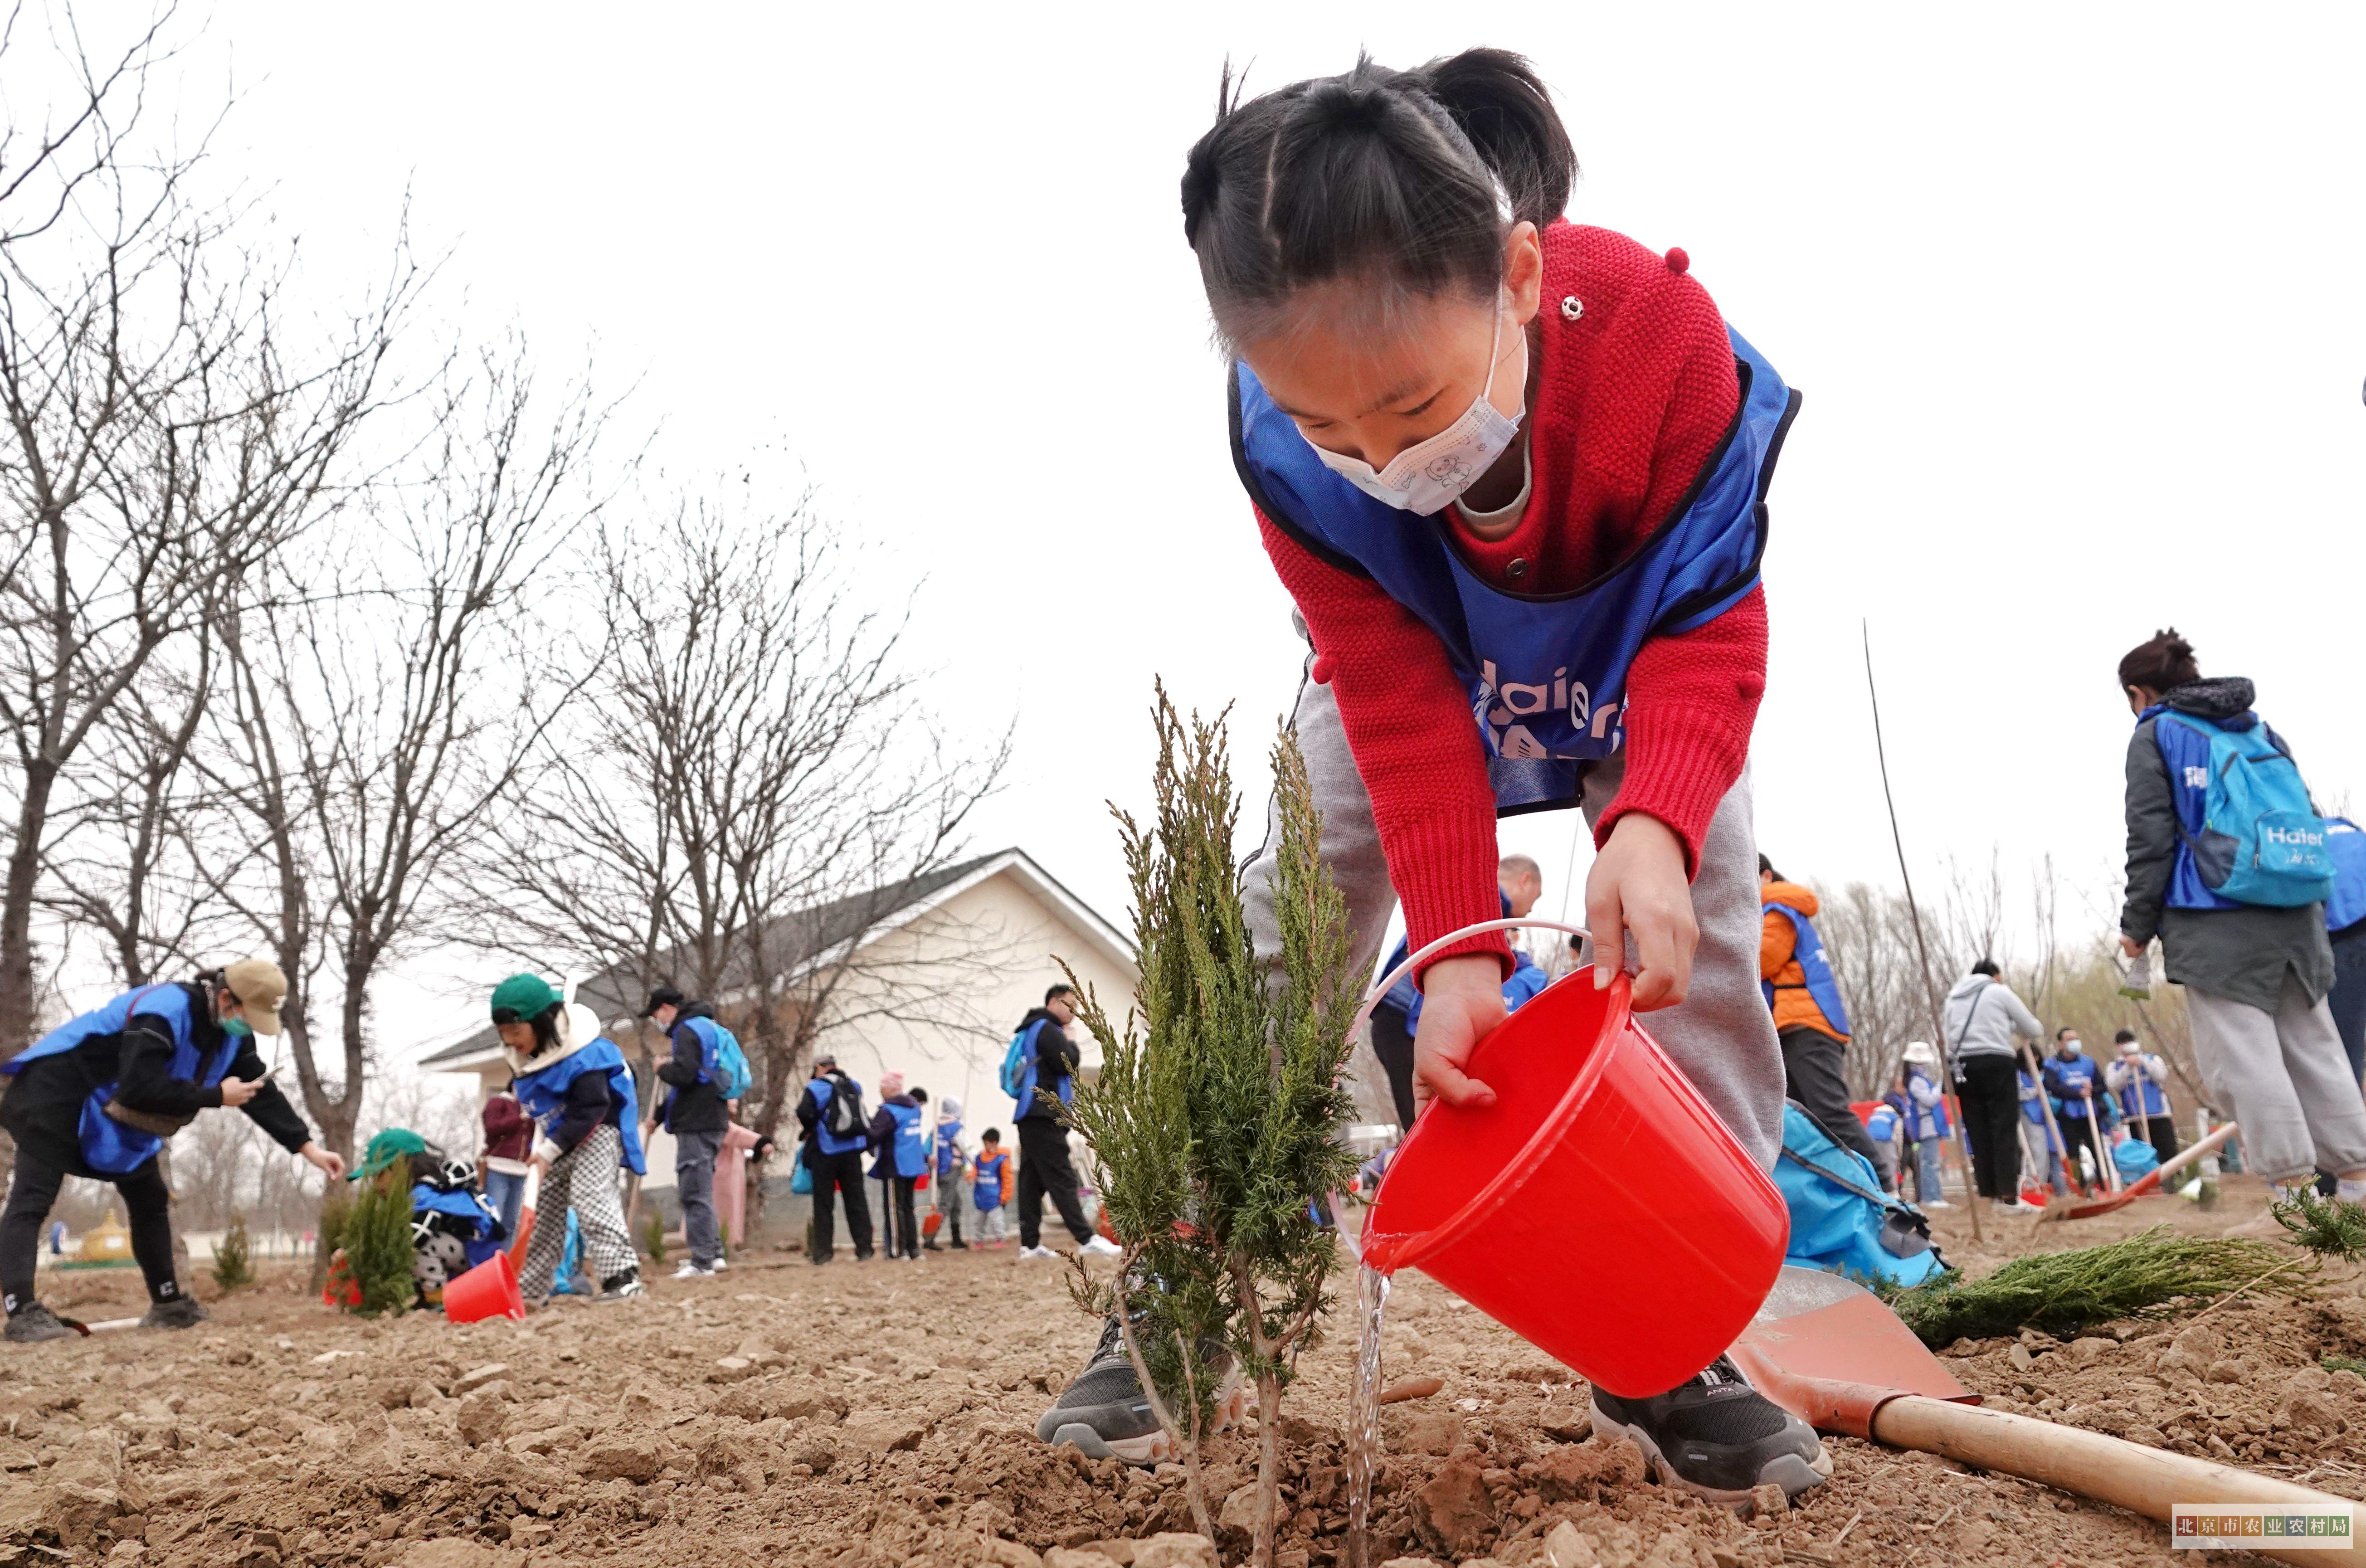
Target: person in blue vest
[(900, 1141), (695, 1112), (2075, 1081), (2139, 1084), (574, 1082), (1927, 1126), (2038, 1131), (948, 1162), (1519, 882), (2255, 972), (835, 1133), (2345, 929), (1811, 1020), (98, 1097)]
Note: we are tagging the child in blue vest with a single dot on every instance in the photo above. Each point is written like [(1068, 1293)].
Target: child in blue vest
[(900, 1153), (573, 1081), (1926, 1121), (2257, 973), (99, 1096), (947, 1174), (991, 1184), (1512, 471)]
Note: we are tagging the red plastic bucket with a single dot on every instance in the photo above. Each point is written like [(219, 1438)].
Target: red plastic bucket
[(490, 1290), (1599, 1209)]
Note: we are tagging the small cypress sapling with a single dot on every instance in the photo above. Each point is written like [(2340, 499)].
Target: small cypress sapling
[(1217, 1116), (377, 1244), (233, 1264)]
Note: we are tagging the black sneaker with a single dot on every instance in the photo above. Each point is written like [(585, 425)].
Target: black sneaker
[(174, 1312), (1104, 1414), (32, 1324), (1716, 1437)]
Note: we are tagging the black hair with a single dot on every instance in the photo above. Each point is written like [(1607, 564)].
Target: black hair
[(1058, 991), (991, 1135), (2161, 662), (1986, 966), (1766, 868), (2066, 1029), (666, 996), (546, 1027), (2125, 1037), (919, 1096), (1404, 179)]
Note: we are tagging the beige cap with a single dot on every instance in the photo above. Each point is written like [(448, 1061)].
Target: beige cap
[(259, 988)]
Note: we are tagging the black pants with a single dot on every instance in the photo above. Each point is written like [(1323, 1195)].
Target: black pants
[(2348, 998), (2159, 1131), (2078, 1133), (904, 1230), (1393, 1043), (838, 1173), (1990, 1092), (1044, 1168), (1813, 1076), (147, 1205)]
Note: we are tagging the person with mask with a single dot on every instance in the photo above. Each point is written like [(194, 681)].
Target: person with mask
[(1985, 1021), (2256, 974), (1510, 469), (2139, 1084), (1046, 1084), (2076, 1082), (695, 1112), (1810, 1019), (98, 1097), (948, 1178)]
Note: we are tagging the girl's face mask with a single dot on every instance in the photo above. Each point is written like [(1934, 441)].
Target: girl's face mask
[(1429, 475)]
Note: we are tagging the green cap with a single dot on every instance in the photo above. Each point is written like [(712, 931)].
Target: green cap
[(524, 996), (394, 1144)]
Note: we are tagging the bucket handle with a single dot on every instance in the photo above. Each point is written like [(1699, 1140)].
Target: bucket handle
[(1381, 987)]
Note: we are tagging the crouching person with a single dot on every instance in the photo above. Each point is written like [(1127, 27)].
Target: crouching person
[(98, 1097), (574, 1083)]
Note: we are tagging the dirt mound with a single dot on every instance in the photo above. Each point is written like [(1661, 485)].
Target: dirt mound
[(879, 1413)]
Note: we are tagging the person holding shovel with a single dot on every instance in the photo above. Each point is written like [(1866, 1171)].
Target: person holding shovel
[(573, 1081), (99, 1096), (2235, 890), (2075, 1081), (1983, 1018), (1510, 469)]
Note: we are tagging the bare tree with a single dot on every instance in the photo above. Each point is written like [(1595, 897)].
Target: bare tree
[(753, 793), (376, 721), (161, 438)]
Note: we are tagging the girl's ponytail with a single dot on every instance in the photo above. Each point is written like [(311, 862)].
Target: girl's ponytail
[(1496, 97), (1405, 180)]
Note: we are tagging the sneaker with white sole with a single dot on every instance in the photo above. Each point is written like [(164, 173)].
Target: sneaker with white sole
[(1716, 1437), (2017, 1206), (1027, 1252), (1104, 1414), (1102, 1247), (692, 1271), (1937, 1203)]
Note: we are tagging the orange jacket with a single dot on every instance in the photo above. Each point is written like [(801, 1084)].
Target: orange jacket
[(1794, 1007)]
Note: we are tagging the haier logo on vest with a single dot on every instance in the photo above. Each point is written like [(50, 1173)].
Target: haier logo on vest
[(2197, 778), (1505, 709)]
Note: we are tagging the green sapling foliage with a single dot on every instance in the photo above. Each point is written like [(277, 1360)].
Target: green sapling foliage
[(1218, 1117)]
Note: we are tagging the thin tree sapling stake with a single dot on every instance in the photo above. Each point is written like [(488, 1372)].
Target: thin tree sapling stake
[(1218, 1114)]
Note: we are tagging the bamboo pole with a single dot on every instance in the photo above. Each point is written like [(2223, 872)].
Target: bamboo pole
[(1921, 947)]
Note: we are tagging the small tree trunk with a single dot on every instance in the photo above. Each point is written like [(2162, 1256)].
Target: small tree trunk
[(17, 1004), (1268, 1492)]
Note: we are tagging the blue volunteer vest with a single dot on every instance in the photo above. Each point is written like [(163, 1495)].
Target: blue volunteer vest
[(543, 1093), (425, 1200), (108, 1146), (911, 1145), (1815, 969), (1024, 1102), (2141, 1097), (819, 1090), (2075, 1075), (2348, 847), (1546, 674), (986, 1193), (949, 1156)]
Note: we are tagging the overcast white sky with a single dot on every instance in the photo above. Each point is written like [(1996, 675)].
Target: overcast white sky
[(2074, 295)]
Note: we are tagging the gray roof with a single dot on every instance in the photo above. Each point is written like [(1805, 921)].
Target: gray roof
[(798, 939)]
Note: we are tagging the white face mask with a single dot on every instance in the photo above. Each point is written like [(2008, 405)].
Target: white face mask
[(1427, 476)]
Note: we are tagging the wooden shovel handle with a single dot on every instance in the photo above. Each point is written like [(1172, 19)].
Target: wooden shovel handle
[(2128, 1475)]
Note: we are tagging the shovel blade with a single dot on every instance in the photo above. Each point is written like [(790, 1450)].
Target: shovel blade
[(1828, 1352)]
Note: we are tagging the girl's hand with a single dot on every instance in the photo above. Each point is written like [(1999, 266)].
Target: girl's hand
[(1462, 1001), (1637, 887)]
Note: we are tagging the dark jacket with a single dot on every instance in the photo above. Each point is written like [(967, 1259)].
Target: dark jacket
[(693, 1105), (591, 1101), (43, 1108), (2241, 954), (509, 1130), (1056, 1058)]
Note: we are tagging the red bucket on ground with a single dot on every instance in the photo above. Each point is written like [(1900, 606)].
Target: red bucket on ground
[(1599, 1209), (490, 1290)]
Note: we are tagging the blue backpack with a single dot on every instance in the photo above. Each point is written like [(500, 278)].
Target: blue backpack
[(1841, 1222), (2262, 840), (1017, 1060), (2345, 905), (726, 1064)]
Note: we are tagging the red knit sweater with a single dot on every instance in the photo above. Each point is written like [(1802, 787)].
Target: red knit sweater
[(1634, 395)]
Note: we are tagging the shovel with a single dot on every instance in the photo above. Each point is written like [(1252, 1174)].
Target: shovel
[(2150, 1181), (1827, 1351)]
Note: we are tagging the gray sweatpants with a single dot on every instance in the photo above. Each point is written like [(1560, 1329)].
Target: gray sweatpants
[(2289, 1078), (1721, 1035), (694, 1154)]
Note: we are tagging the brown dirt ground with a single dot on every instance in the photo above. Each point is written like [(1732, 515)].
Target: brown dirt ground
[(878, 1413)]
